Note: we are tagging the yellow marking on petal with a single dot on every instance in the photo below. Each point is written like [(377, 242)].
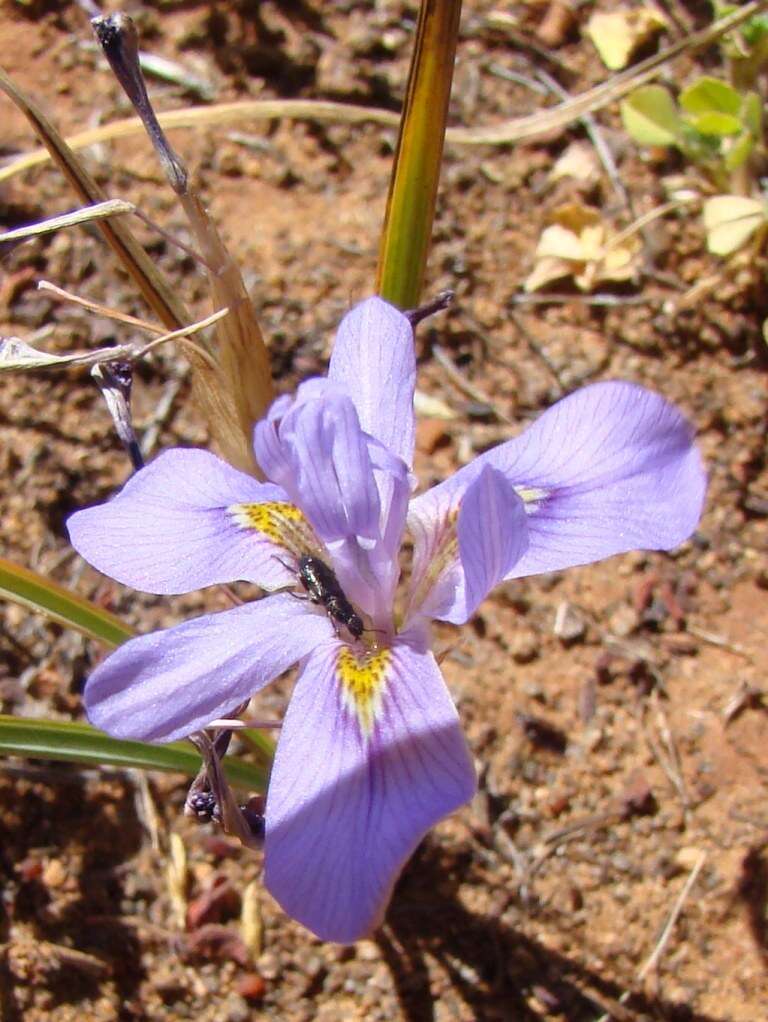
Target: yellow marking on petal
[(282, 523), (363, 679)]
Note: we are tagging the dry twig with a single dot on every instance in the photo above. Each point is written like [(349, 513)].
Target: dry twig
[(459, 379), (654, 958)]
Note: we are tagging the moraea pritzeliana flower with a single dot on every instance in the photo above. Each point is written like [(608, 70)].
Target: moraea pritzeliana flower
[(370, 754)]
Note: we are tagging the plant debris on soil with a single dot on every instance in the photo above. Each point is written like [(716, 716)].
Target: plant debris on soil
[(614, 863)]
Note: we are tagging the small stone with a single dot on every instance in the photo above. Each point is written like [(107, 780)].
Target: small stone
[(269, 965), (688, 857), (556, 24), (624, 621), (54, 874), (569, 625), (524, 646), (236, 1009), (431, 434), (367, 951), (251, 986)]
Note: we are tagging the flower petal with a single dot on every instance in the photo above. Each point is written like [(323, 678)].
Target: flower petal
[(168, 684), (346, 808), (610, 468), (374, 360), (172, 527), (493, 536), (352, 489), (456, 565), (321, 458), (370, 572)]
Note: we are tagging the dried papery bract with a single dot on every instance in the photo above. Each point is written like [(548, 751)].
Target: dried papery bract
[(235, 389), (211, 778), (115, 380), (155, 290)]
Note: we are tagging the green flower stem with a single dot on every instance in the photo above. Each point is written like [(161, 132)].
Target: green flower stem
[(410, 209)]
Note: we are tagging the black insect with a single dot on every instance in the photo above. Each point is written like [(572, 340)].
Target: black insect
[(323, 587)]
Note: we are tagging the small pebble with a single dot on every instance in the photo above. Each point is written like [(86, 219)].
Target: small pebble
[(569, 625), (251, 986)]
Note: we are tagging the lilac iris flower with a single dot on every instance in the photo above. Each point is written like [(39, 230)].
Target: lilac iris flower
[(370, 755)]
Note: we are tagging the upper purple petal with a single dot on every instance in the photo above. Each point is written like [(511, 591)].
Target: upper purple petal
[(373, 359), (610, 468), (319, 454), (469, 558), (344, 812), (371, 571), (493, 536), (169, 531), (351, 488), (168, 684)]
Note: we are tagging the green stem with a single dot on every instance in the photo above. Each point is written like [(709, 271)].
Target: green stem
[(407, 229)]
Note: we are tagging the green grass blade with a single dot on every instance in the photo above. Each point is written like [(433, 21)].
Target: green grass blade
[(410, 209), (62, 739), (38, 593), (80, 743)]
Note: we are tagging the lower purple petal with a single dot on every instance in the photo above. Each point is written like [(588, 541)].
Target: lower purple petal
[(345, 810), (168, 684)]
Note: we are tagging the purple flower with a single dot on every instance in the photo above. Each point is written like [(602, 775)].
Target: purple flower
[(371, 754)]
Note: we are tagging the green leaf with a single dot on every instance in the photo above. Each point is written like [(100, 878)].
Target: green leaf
[(714, 123), (710, 95), (80, 743), (650, 116), (752, 114), (739, 152), (407, 230), (39, 593), (755, 30)]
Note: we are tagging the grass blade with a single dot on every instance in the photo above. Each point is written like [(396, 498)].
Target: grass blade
[(67, 741), (112, 207), (21, 585)]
